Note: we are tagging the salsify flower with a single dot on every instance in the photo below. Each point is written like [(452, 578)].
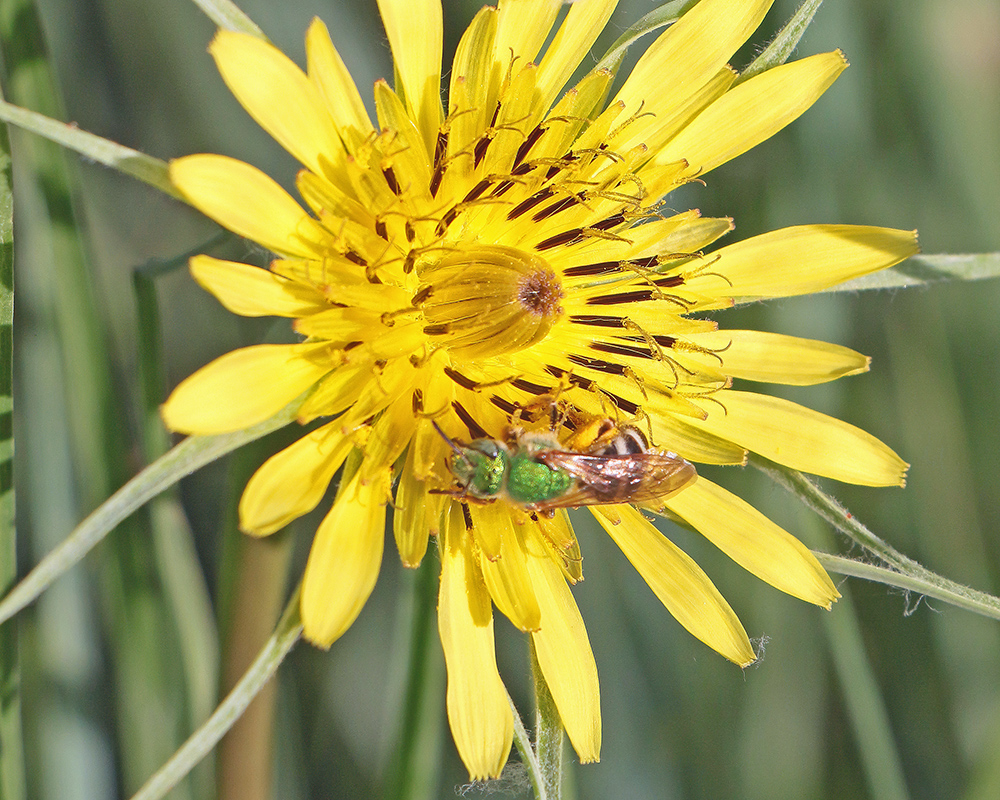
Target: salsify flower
[(458, 262)]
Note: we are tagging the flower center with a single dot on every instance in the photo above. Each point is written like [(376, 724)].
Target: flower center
[(484, 301)]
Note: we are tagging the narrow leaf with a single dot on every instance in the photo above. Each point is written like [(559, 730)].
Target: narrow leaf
[(667, 14), (782, 46), (186, 457), (124, 159), (228, 16), (924, 270)]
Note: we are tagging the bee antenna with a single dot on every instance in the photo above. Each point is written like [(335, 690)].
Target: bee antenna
[(448, 439)]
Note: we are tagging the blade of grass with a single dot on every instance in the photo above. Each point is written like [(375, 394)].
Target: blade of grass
[(186, 457), (782, 46), (228, 16), (200, 743), (12, 778)]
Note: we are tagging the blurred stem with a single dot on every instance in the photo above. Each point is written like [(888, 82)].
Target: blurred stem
[(12, 778), (228, 16), (264, 667), (905, 572), (414, 771), (186, 457), (523, 744), (245, 758), (869, 719), (548, 731)]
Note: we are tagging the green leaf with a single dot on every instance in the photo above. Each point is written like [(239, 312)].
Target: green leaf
[(202, 741), (924, 270), (902, 570), (782, 46), (226, 15), (667, 14), (124, 159), (12, 780), (188, 456)]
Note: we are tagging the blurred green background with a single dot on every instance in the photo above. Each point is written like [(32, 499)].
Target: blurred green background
[(887, 697)]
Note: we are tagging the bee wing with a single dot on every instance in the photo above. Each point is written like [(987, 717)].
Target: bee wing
[(604, 480)]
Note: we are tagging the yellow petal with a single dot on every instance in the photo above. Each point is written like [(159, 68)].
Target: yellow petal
[(279, 96), (804, 259), (244, 200), (479, 714), (243, 387), (583, 24), (344, 560), (687, 57), (292, 482), (252, 291), (417, 514), (803, 439), (775, 358), (678, 582), (507, 576), (753, 541), (564, 655), (751, 112), (326, 69), (523, 27), (414, 28)]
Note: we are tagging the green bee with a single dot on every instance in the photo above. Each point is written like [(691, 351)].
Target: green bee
[(537, 473)]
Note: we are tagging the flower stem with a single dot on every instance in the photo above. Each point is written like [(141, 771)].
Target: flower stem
[(523, 744), (413, 773), (200, 743), (548, 732)]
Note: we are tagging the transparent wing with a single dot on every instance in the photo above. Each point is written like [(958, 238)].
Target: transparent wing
[(603, 480)]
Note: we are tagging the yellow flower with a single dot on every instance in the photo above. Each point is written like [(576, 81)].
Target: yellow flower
[(455, 265)]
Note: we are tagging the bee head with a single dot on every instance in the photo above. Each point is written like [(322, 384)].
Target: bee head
[(478, 467)]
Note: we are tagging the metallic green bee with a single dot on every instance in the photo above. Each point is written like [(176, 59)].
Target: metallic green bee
[(535, 472)]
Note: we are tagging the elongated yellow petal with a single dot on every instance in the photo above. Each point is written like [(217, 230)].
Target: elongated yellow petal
[(279, 96), (252, 291), (754, 542), (244, 200), (679, 583), (416, 49), (327, 70), (754, 111), (523, 27), (583, 24), (507, 576), (242, 388), (344, 560), (416, 515), (775, 358), (803, 439), (687, 57), (803, 259), (292, 482), (478, 711), (564, 655)]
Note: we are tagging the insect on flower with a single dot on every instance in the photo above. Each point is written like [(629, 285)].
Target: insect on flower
[(602, 463)]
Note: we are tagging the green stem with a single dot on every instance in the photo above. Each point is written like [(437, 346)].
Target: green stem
[(414, 771), (201, 742), (522, 741), (866, 708), (548, 732), (188, 456)]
